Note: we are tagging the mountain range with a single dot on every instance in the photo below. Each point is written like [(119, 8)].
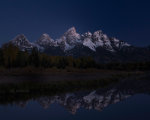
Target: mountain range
[(97, 45)]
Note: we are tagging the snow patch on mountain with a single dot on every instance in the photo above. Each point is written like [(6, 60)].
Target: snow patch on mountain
[(45, 41), (87, 41), (22, 42), (70, 39)]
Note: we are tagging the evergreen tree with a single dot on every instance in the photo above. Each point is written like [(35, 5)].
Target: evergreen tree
[(34, 59), (22, 59), (9, 52)]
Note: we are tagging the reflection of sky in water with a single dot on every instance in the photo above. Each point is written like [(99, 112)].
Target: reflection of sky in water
[(136, 107)]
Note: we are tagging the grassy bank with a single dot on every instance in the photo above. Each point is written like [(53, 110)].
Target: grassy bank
[(49, 71)]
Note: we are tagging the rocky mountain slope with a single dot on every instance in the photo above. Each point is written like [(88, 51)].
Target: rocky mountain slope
[(97, 45)]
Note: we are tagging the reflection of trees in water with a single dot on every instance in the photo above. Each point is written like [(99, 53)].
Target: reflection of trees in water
[(90, 99)]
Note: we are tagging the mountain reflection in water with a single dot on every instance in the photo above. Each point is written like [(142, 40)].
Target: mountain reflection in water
[(89, 99)]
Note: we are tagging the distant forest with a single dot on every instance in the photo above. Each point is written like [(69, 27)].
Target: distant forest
[(12, 57)]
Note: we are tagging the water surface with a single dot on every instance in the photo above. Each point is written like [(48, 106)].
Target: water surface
[(127, 100)]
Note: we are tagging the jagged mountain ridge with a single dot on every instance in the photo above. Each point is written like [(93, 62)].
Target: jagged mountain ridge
[(46, 41), (70, 39), (97, 45), (23, 43)]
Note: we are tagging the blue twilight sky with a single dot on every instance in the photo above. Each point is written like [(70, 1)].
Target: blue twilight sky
[(128, 20)]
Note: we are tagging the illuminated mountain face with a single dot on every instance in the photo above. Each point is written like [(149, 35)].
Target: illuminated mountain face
[(71, 39), (97, 45)]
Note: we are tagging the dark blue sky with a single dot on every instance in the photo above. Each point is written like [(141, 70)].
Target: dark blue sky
[(128, 20)]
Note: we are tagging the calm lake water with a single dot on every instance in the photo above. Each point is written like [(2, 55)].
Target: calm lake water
[(133, 108), (128, 100)]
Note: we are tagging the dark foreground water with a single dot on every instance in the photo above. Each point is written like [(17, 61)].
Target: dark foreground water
[(133, 108), (128, 100)]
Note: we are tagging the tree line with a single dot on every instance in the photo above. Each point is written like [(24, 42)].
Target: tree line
[(12, 57)]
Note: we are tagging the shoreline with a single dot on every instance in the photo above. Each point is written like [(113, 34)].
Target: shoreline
[(51, 75)]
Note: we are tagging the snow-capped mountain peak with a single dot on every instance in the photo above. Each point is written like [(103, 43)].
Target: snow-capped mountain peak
[(71, 35), (22, 42), (46, 40), (71, 30), (119, 44), (70, 39), (20, 39), (46, 36)]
